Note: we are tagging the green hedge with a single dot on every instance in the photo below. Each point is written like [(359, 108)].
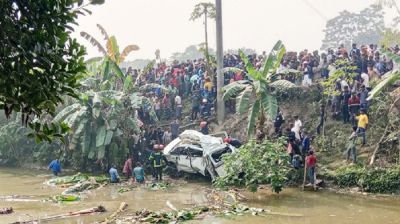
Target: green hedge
[(375, 180)]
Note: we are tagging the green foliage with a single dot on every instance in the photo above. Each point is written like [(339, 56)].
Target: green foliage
[(254, 164), (178, 216), (97, 121), (14, 143), (65, 198), (68, 179), (390, 37), (112, 57), (258, 96), (44, 63), (204, 8), (375, 180), (344, 70)]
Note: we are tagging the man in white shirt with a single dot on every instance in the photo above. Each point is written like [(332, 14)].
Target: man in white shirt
[(178, 105), (297, 127), (365, 79), (343, 83)]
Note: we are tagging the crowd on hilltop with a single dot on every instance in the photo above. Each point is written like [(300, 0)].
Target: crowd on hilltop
[(170, 85), (190, 80)]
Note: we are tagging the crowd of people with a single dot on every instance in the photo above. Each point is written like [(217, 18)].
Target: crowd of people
[(190, 81), (170, 86)]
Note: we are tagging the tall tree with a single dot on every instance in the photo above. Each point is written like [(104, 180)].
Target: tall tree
[(220, 63), (362, 28), (206, 9)]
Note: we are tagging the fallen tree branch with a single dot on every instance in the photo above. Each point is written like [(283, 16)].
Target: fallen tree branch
[(113, 216), (378, 145), (88, 211)]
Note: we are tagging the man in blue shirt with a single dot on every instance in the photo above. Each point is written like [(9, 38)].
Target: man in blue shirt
[(138, 173), (114, 174), (55, 166)]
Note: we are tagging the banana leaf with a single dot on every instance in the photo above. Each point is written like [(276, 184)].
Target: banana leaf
[(101, 136), (68, 179), (65, 198), (101, 151), (108, 138)]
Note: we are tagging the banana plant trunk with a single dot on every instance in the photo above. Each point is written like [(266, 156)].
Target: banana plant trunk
[(220, 63)]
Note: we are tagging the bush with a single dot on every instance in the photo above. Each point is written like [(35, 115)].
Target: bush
[(374, 180), (256, 164)]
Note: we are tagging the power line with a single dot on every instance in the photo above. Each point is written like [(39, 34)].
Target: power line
[(320, 14)]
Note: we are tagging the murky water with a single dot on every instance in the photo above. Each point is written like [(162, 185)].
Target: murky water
[(320, 207)]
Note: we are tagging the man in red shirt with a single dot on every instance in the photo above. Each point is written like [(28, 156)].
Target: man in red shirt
[(311, 162), (354, 106)]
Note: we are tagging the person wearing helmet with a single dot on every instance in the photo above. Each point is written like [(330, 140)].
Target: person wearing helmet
[(205, 108), (204, 126), (157, 161), (233, 142)]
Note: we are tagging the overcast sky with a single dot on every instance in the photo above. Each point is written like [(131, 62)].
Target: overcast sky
[(256, 24)]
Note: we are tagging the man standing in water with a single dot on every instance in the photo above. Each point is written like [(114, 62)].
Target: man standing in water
[(114, 175), (55, 167), (127, 170), (138, 173)]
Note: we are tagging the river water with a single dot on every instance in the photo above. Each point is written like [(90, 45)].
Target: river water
[(314, 207)]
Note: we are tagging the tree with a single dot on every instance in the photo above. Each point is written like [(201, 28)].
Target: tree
[(192, 52), (255, 164), (343, 70), (101, 123), (257, 96), (111, 55), (365, 27), (14, 143), (39, 62), (206, 9)]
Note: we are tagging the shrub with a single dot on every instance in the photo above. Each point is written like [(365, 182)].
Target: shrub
[(256, 164), (375, 180)]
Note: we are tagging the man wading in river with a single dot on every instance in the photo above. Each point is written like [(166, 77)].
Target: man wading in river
[(114, 174), (55, 167)]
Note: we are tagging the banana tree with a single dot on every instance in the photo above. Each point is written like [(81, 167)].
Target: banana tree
[(101, 123), (256, 95), (112, 57), (389, 78)]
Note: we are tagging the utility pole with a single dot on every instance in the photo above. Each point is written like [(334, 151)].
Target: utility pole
[(220, 63)]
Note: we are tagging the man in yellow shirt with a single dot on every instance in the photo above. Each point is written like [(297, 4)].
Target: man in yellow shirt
[(208, 85), (362, 125)]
